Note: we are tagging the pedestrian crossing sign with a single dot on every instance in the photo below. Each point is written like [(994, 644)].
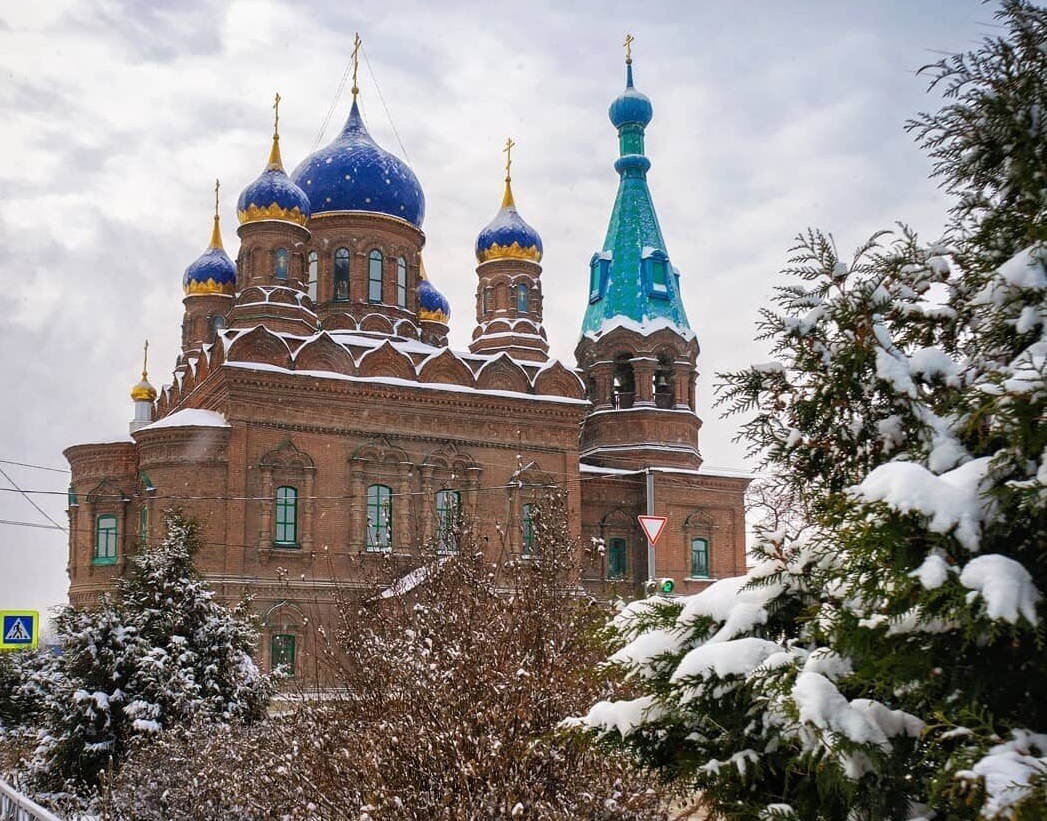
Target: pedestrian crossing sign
[(20, 629)]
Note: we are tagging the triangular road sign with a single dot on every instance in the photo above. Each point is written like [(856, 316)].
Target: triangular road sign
[(652, 526), (17, 632)]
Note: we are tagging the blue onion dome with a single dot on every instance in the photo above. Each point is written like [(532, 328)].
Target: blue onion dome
[(213, 272), (507, 236), (273, 196), (354, 174), (631, 106), (432, 305)]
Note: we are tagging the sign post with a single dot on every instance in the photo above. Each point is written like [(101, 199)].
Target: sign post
[(19, 629)]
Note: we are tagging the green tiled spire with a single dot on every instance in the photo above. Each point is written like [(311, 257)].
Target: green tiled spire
[(632, 281)]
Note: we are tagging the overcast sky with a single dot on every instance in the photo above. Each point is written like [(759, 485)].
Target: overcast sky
[(118, 116)]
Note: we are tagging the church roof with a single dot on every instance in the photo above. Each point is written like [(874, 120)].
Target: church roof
[(632, 280)]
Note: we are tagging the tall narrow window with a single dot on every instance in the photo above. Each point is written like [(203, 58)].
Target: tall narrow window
[(484, 302), (374, 276), (105, 540), (448, 505), (522, 298), (286, 516), (313, 273), (599, 274), (699, 558), (664, 383), (401, 282), (379, 518), (528, 529), (282, 652), (616, 559), (341, 275), (280, 263), (143, 523), (656, 273), (624, 383)]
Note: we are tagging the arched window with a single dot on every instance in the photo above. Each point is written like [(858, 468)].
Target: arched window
[(282, 652), (374, 276), (448, 520), (401, 282), (312, 272), (664, 383), (215, 323), (484, 302), (286, 516), (280, 263), (143, 523), (341, 275), (528, 529), (379, 518), (616, 566), (105, 540), (699, 558), (522, 298), (624, 383)]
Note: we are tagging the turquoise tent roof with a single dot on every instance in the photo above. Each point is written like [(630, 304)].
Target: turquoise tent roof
[(632, 280)]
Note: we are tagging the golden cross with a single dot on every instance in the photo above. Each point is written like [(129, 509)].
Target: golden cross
[(629, 49), (508, 156), (357, 42), (145, 360), (217, 185), (276, 121)]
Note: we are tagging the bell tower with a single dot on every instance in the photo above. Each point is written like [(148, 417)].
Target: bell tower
[(637, 351)]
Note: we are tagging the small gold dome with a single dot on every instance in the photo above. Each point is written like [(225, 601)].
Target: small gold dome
[(143, 391)]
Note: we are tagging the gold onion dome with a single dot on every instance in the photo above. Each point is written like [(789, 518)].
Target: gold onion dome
[(508, 236), (273, 196), (143, 391)]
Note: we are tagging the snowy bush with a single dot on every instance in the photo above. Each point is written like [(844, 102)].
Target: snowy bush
[(886, 660), (453, 679), (159, 653)]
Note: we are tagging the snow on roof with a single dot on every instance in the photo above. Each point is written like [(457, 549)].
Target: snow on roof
[(648, 326), (190, 418)]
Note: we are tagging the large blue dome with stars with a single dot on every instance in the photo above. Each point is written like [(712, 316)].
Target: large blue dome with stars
[(354, 173)]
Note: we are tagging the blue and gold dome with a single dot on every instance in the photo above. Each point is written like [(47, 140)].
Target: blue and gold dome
[(631, 106), (354, 174), (212, 272), (508, 236), (273, 196), (432, 305)]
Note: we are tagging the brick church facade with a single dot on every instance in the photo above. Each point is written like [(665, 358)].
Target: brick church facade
[(318, 425)]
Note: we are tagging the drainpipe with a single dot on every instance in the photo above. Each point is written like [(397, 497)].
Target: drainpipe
[(650, 512)]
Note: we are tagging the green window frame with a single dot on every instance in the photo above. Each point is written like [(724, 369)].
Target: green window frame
[(286, 516), (699, 558), (341, 275), (616, 559), (374, 276), (105, 539), (283, 652), (448, 520), (599, 274), (379, 519), (528, 529), (401, 282), (656, 274)]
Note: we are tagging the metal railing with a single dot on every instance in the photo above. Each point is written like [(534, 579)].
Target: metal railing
[(16, 807)]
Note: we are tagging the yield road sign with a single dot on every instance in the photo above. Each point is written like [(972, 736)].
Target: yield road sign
[(19, 629), (652, 526)]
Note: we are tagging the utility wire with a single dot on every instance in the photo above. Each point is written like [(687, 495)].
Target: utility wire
[(26, 496), (30, 465), (30, 524), (377, 88)]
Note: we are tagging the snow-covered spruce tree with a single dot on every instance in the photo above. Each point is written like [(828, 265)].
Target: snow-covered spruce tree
[(888, 660), (158, 653)]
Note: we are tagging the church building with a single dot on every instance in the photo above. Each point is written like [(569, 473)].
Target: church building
[(318, 425)]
